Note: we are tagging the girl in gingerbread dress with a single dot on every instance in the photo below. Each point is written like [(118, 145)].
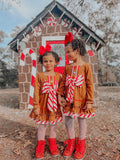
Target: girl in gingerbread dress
[(46, 111), (77, 88)]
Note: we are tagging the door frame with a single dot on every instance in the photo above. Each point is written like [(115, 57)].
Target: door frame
[(54, 38)]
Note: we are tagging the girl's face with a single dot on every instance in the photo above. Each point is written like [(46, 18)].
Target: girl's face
[(49, 62), (71, 54)]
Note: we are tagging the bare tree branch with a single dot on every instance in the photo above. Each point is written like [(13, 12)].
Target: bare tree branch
[(2, 36)]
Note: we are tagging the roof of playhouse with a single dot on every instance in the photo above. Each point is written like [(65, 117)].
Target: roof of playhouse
[(59, 14)]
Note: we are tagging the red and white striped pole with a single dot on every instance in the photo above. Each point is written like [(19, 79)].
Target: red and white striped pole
[(33, 72)]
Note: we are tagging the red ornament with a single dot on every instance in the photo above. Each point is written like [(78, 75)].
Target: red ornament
[(90, 52), (52, 21)]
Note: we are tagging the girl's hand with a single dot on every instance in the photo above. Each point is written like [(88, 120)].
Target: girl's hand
[(87, 106), (36, 111), (61, 101)]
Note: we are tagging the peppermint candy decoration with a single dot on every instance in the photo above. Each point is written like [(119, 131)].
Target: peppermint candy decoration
[(37, 31), (76, 32), (65, 22), (52, 21)]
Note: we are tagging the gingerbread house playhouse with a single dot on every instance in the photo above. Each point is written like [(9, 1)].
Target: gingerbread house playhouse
[(50, 27)]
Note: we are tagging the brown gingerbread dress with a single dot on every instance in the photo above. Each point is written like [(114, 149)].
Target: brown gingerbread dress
[(45, 98), (77, 87)]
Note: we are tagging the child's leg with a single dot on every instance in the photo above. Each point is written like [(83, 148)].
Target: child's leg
[(41, 141), (82, 128), (80, 146), (41, 131), (52, 131), (69, 123), (52, 140)]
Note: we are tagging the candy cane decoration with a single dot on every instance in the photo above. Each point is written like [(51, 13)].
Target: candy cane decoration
[(52, 21), (33, 73), (65, 22)]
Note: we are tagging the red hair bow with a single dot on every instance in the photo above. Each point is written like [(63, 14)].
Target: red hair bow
[(43, 49), (68, 38)]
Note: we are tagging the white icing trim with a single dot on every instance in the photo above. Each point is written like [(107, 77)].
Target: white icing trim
[(51, 38)]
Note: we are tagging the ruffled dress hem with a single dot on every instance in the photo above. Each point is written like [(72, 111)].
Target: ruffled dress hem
[(81, 115), (38, 121)]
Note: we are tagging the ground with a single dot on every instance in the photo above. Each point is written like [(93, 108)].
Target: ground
[(18, 131)]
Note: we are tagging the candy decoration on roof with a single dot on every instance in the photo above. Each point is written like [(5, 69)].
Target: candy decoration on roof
[(76, 32), (52, 21), (33, 72), (37, 31), (90, 52), (65, 22), (26, 38)]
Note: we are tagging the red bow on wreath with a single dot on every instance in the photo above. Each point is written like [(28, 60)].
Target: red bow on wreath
[(43, 49), (68, 38)]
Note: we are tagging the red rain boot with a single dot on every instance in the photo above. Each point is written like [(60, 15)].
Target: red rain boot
[(40, 149), (80, 149), (70, 148), (53, 146)]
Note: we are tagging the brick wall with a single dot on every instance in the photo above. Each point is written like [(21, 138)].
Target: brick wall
[(25, 71)]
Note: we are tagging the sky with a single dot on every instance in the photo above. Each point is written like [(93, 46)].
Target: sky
[(18, 13)]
